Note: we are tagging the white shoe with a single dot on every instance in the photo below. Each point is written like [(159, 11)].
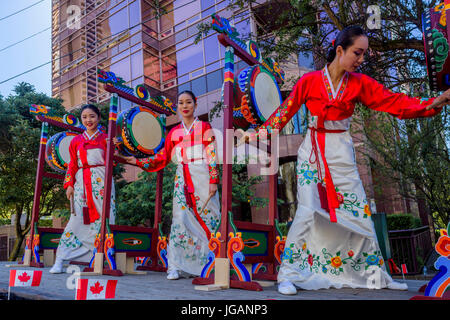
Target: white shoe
[(58, 266), (394, 285), (286, 287), (173, 275)]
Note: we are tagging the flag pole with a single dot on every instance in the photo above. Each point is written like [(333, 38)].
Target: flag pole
[(9, 292)]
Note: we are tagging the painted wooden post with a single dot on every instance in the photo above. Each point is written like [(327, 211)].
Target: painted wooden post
[(228, 143), (114, 101), (158, 198), (38, 188)]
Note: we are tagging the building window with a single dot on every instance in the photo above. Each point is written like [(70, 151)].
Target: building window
[(135, 13), (184, 86), (207, 3), (190, 58), (211, 49), (122, 69), (199, 86), (214, 80), (137, 64)]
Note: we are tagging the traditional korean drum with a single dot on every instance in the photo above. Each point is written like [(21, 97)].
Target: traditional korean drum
[(435, 36), (140, 132), (256, 97), (57, 153)]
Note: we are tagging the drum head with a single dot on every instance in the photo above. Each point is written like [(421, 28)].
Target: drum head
[(141, 132), (62, 149), (146, 130), (57, 153), (265, 93)]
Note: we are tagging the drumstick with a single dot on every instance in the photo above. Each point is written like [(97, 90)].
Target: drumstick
[(207, 200), (72, 208)]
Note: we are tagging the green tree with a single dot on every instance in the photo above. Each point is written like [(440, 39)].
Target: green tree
[(19, 146), (136, 200)]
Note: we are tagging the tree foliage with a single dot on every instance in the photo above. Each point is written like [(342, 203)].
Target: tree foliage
[(136, 200), (19, 147)]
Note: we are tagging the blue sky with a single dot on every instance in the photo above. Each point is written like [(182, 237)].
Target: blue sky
[(30, 53)]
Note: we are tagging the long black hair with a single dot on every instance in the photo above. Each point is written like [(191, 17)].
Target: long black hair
[(345, 38), (92, 107)]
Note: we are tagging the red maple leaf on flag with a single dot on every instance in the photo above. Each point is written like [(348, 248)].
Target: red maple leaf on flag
[(97, 288), (24, 277)]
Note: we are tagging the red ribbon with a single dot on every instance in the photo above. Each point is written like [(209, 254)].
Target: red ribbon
[(331, 195), (93, 213), (190, 195)]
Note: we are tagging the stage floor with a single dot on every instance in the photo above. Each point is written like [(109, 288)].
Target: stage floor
[(155, 286)]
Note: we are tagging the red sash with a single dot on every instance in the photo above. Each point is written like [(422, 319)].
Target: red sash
[(93, 213), (189, 193), (328, 196)]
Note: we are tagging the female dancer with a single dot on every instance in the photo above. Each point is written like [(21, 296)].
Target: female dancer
[(84, 184), (332, 240), (189, 144)]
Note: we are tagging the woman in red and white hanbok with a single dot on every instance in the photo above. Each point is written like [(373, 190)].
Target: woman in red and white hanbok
[(85, 182), (191, 145), (332, 240)]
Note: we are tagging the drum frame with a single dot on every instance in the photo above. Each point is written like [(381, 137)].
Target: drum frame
[(245, 89), (125, 133), (437, 69), (52, 155)]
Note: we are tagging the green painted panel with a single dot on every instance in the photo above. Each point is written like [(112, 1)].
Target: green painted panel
[(255, 243), (132, 241), (49, 240)]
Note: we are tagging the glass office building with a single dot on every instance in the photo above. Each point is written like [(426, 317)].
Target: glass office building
[(140, 43)]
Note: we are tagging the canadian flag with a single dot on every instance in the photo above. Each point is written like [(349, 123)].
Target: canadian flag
[(90, 289), (404, 270), (25, 278)]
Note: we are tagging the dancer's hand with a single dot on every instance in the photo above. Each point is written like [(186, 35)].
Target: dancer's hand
[(245, 137), (116, 141), (69, 192), (440, 101), (212, 189), (129, 160)]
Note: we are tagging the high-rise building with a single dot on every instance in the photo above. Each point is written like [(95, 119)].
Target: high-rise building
[(141, 41)]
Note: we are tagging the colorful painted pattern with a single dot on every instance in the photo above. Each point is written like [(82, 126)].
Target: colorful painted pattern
[(109, 251), (96, 247), (441, 281), (114, 102), (44, 133), (215, 249), (161, 249), (229, 65), (236, 257)]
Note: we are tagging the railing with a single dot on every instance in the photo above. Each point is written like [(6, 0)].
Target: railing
[(411, 247)]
